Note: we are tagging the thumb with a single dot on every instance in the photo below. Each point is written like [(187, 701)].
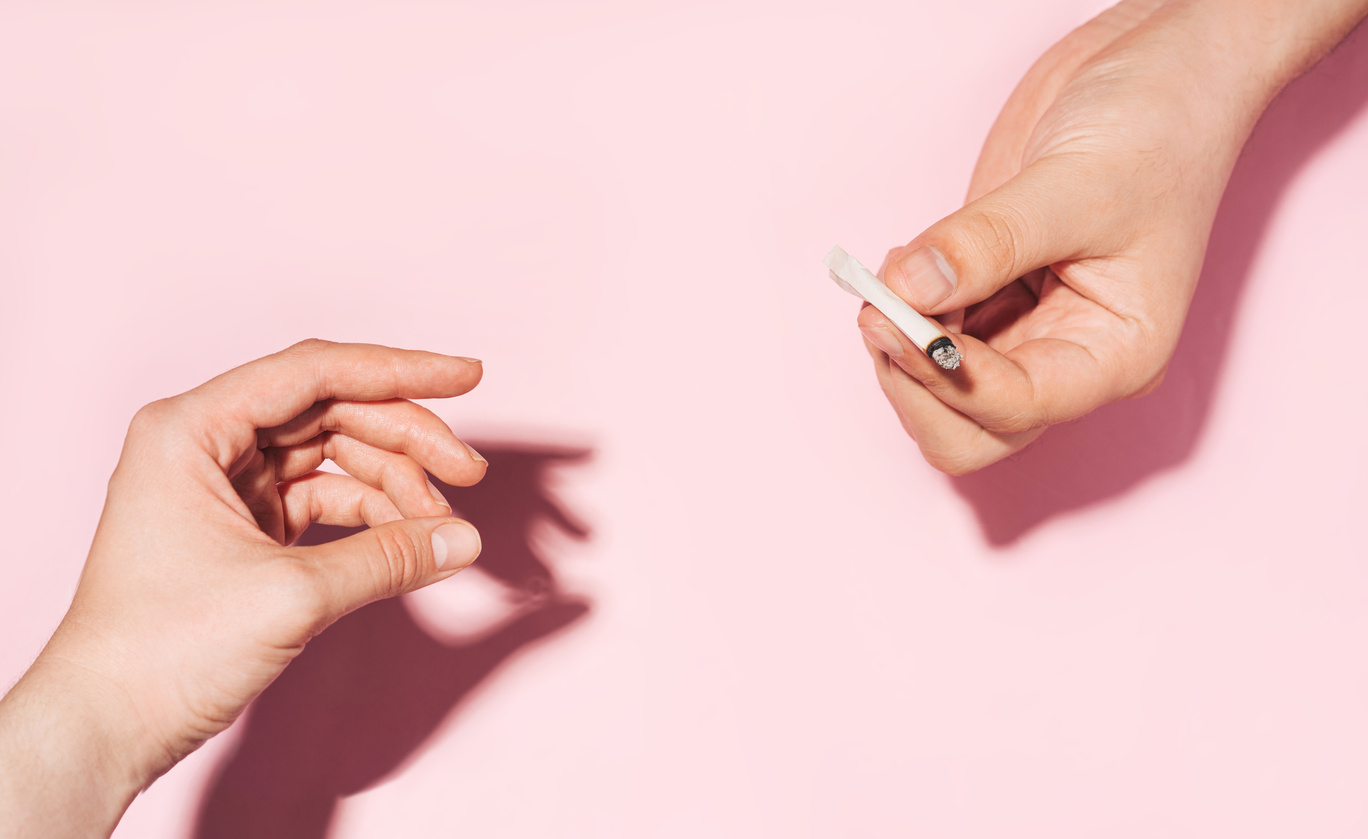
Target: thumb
[(1044, 215), (392, 559)]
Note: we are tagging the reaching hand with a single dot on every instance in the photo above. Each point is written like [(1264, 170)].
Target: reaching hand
[(192, 600)]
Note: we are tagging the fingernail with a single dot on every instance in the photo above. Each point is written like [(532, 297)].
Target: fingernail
[(476, 454), (922, 277), (455, 545), (437, 495), (883, 338), (470, 360)]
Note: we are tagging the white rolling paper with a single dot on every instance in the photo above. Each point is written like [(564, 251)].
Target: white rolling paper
[(850, 275)]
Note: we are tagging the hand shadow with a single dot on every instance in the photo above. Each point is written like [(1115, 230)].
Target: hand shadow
[(367, 693), (1109, 452)]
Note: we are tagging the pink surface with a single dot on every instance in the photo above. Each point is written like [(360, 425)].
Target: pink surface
[(766, 616)]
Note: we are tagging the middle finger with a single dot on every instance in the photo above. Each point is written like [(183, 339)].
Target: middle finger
[(399, 476), (395, 425)]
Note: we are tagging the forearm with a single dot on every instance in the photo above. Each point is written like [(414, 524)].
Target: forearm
[(1274, 40), (1216, 65), (68, 768)]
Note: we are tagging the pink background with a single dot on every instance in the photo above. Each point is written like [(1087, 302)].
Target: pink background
[(721, 593)]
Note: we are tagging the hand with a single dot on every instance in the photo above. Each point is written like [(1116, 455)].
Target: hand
[(192, 600), (1069, 272)]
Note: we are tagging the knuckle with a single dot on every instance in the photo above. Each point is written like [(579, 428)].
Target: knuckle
[(1139, 362), (413, 437), (309, 346), (378, 508), (154, 417), (401, 561), (396, 471), (997, 237), (302, 595), (1018, 422), (970, 453)]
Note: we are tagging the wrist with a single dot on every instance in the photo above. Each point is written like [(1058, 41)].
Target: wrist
[(73, 750), (1218, 64), (1259, 46)]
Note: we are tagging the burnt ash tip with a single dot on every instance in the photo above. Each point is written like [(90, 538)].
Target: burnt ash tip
[(943, 352)]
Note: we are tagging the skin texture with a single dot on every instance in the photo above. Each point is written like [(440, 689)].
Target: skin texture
[(192, 600), (1077, 255), (1074, 262)]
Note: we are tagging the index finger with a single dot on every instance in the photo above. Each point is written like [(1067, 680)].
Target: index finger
[(1040, 382), (272, 390)]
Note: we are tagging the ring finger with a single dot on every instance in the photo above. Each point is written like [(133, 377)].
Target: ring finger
[(398, 476)]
